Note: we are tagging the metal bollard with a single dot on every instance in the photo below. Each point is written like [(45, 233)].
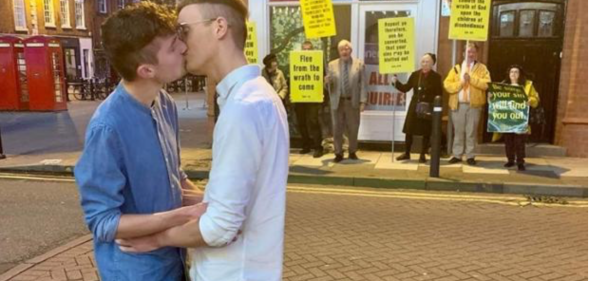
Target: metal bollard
[(436, 140), (2, 156)]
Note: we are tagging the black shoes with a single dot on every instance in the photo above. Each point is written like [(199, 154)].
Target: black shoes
[(404, 156), (471, 161), (318, 153), (338, 158), (2, 156), (509, 164), (353, 156), (454, 160), (521, 167), (422, 158)]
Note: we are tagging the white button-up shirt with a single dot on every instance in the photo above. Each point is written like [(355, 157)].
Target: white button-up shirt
[(247, 184)]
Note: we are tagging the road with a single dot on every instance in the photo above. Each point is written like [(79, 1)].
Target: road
[(339, 233)]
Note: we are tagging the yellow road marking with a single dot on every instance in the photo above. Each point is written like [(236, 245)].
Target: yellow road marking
[(35, 178), (504, 200)]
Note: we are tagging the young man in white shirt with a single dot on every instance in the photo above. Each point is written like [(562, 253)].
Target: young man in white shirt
[(243, 227)]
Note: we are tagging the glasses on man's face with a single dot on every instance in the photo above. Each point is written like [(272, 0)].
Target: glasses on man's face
[(183, 28)]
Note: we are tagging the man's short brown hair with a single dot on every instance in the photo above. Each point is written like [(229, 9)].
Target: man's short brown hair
[(234, 11), (128, 33)]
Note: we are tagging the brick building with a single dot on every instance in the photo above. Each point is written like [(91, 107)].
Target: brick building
[(547, 37), (67, 20), (103, 9), (557, 62)]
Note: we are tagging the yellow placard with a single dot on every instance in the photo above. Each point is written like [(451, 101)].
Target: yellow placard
[(318, 18), (469, 20), (306, 76), (396, 45), (251, 45)]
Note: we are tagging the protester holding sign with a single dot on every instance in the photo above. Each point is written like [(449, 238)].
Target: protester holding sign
[(466, 83), (274, 76), (426, 85), (346, 82), (308, 120), (515, 144)]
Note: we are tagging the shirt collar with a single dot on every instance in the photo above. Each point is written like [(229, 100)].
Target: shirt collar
[(128, 99), (235, 77)]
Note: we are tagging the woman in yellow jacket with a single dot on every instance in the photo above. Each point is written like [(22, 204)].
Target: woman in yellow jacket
[(515, 144)]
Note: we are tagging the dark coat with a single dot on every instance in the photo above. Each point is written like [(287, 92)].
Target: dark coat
[(431, 86)]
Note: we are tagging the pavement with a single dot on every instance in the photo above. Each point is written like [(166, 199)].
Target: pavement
[(52, 142), (343, 233)]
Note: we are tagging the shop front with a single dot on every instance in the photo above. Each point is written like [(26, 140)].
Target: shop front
[(280, 30)]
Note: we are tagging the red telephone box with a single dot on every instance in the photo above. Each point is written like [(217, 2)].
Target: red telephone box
[(45, 74), (13, 74)]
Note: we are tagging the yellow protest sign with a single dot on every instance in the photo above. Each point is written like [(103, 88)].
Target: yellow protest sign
[(306, 76), (251, 45), (318, 18), (396, 45), (470, 20)]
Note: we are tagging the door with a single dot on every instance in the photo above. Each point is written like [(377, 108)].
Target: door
[(382, 102), (70, 64), (530, 34)]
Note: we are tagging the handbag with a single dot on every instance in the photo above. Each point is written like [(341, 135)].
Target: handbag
[(423, 110), (537, 116)]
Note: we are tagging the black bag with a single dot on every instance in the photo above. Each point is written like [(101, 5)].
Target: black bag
[(423, 110), (537, 116)]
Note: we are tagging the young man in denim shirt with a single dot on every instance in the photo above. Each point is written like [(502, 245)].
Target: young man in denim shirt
[(129, 175)]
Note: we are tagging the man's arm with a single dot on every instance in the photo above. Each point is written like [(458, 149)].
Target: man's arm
[(453, 83), (101, 182), (132, 226), (229, 187), (184, 236), (481, 81), (363, 84)]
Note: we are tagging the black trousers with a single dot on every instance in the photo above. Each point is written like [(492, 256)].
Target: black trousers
[(308, 124), (409, 143), (515, 147)]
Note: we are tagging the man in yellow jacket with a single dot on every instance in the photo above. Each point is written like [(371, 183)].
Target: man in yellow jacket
[(467, 85)]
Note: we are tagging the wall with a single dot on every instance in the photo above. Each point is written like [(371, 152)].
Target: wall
[(571, 122)]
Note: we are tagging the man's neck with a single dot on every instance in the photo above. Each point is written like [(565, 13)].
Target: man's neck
[(144, 91), (226, 62)]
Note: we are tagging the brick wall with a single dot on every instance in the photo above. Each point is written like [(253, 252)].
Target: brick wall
[(571, 122), (7, 20)]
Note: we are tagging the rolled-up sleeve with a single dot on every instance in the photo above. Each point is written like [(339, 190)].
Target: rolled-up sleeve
[(237, 153), (100, 179)]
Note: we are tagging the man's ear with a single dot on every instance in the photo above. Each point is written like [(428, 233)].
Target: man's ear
[(221, 27), (145, 71)]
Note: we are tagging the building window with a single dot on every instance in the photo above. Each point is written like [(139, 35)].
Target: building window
[(102, 8), (527, 19), (80, 18), (546, 24), (121, 4), (65, 13), (507, 22), (20, 17), (48, 12)]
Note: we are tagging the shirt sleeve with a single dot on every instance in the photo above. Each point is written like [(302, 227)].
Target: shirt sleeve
[(237, 154), (100, 178), (363, 84), (452, 82)]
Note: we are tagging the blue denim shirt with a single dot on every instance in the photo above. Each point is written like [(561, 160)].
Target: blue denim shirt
[(130, 165)]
